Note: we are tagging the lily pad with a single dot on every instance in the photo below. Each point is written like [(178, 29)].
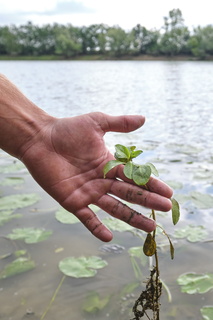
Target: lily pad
[(95, 303), (16, 201), (200, 200), (117, 225), (18, 266), (192, 233), (29, 235), (6, 216), (65, 216), (192, 283), (207, 312), (12, 181), (14, 167), (81, 267)]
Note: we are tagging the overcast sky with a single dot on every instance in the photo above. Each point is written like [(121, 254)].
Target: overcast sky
[(125, 13)]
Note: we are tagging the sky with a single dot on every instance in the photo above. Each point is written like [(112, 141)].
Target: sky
[(124, 13)]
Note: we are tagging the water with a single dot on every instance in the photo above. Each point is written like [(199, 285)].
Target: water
[(177, 100)]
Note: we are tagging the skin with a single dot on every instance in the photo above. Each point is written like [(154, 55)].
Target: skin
[(66, 157)]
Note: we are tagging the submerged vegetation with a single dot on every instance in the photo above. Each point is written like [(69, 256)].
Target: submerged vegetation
[(100, 41)]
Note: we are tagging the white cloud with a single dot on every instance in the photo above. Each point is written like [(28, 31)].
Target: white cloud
[(124, 13)]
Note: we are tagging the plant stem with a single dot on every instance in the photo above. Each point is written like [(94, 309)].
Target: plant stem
[(53, 298)]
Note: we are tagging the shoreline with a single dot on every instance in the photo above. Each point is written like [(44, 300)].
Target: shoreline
[(104, 58)]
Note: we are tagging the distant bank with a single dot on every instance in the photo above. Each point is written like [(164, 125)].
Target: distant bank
[(105, 58)]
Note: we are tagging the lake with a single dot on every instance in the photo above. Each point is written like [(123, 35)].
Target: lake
[(177, 100)]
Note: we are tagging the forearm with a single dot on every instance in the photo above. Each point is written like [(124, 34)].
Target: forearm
[(20, 119)]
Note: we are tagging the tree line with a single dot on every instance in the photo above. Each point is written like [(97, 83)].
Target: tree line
[(174, 38)]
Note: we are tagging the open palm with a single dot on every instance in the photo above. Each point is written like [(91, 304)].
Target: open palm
[(67, 158)]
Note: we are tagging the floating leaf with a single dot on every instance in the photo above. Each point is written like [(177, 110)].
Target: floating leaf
[(20, 253), (94, 303), (12, 181), (6, 216), (17, 166), (149, 247), (29, 235), (110, 165), (175, 184), (141, 174), (192, 233), (153, 169), (128, 170), (192, 283), (81, 267), (65, 216), (175, 211), (18, 266), (16, 201), (117, 225), (202, 201), (207, 312)]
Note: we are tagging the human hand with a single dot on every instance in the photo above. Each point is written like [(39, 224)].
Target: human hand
[(67, 158)]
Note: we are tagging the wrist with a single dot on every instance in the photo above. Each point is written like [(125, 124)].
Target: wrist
[(20, 120)]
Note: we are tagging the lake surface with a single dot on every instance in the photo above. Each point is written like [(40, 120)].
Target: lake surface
[(177, 100)]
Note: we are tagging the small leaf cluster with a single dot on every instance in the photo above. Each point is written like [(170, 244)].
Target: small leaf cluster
[(140, 174)]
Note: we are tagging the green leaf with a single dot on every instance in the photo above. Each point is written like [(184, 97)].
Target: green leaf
[(192, 283), (117, 225), (207, 312), (149, 247), (29, 235), (135, 154), (65, 216), (192, 233), (122, 153), (128, 170), (202, 201), (110, 165), (6, 216), (12, 181), (17, 166), (94, 303), (81, 267), (18, 266), (153, 169), (141, 174), (16, 201), (175, 211)]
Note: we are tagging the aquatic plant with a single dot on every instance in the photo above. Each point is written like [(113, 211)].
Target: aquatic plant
[(149, 299)]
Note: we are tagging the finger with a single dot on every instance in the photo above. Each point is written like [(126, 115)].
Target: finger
[(93, 224), (154, 185), (124, 123), (121, 211), (135, 194)]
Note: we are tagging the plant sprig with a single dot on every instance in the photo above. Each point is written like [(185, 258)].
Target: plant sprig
[(140, 174)]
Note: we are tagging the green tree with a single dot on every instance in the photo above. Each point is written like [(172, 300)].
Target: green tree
[(118, 41), (201, 42), (67, 41), (144, 41), (9, 42), (175, 38)]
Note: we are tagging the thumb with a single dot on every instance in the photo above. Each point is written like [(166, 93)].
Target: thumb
[(124, 123)]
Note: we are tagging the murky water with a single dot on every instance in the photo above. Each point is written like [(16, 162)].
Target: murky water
[(177, 100)]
